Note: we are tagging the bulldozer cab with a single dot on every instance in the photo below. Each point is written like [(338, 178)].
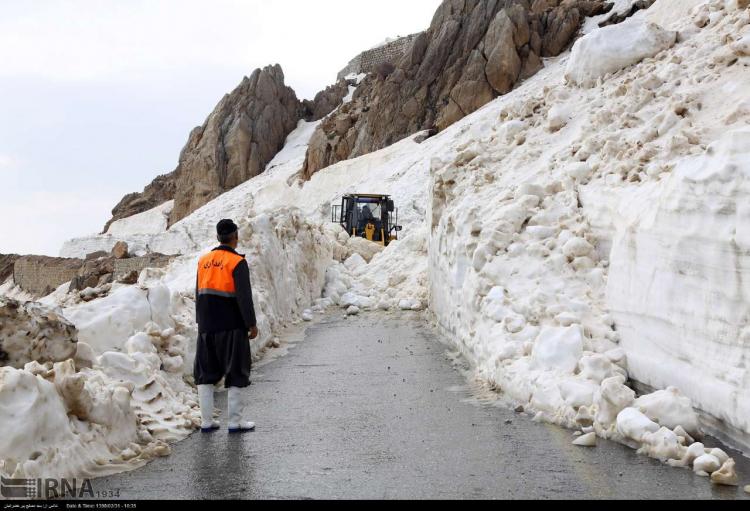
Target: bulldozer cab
[(373, 217)]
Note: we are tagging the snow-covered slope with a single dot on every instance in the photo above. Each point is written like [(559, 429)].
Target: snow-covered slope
[(148, 222), (522, 223)]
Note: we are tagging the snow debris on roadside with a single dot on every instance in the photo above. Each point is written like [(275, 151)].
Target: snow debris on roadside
[(548, 226)]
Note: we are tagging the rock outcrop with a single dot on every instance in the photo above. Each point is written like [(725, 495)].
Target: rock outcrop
[(159, 191), (243, 133), (31, 332), (120, 250), (93, 273), (326, 101), (619, 17), (473, 51), (97, 272)]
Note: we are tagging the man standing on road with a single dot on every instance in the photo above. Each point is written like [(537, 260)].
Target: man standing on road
[(226, 320)]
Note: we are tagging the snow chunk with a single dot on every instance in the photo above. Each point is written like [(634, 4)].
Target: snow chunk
[(742, 47), (587, 440), (580, 171), (361, 302), (615, 47), (612, 398), (106, 323), (577, 247), (707, 463), (410, 304), (558, 117), (633, 424), (153, 221), (671, 409), (559, 348), (355, 262)]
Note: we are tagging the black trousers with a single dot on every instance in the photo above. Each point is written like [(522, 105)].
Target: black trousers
[(223, 355)]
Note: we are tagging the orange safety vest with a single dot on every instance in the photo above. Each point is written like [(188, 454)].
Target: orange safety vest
[(215, 273)]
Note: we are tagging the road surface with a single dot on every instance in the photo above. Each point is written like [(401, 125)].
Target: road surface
[(371, 407)]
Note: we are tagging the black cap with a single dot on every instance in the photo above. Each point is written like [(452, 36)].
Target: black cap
[(226, 227)]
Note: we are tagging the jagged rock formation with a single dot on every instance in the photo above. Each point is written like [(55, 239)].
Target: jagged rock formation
[(619, 17), (326, 101), (243, 133), (159, 191), (473, 51), (31, 332)]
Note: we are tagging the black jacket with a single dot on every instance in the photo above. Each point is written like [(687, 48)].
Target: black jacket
[(222, 314)]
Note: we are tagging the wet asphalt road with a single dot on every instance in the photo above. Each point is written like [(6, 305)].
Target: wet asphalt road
[(371, 407)]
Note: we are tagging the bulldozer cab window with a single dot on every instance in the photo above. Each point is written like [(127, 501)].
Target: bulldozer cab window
[(369, 211)]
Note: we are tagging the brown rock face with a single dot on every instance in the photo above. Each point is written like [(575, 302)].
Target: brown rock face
[(92, 273), (243, 133), (616, 18), (326, 101), (161, 190), (473, 51)]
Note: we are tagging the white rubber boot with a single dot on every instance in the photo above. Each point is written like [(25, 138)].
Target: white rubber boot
[(206, 400), (236, 424)]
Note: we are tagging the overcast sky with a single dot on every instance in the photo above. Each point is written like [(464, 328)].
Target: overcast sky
[(97, 97)]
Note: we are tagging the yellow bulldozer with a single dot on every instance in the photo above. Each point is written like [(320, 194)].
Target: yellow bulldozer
[(373, 217)]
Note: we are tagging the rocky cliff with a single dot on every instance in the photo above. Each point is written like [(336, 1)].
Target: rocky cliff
[(243, 133), (326, 101), (473, 51), (159, 191)]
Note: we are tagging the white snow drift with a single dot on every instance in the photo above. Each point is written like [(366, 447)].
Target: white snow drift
[(615, 47)]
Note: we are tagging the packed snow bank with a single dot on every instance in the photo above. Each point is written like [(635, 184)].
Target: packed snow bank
[(30, 331), (522, 219), (615, 47), (690, 326), (84, 434), (76, 420), (129, 385), (153, 221), (136, 346), (105, 323)]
